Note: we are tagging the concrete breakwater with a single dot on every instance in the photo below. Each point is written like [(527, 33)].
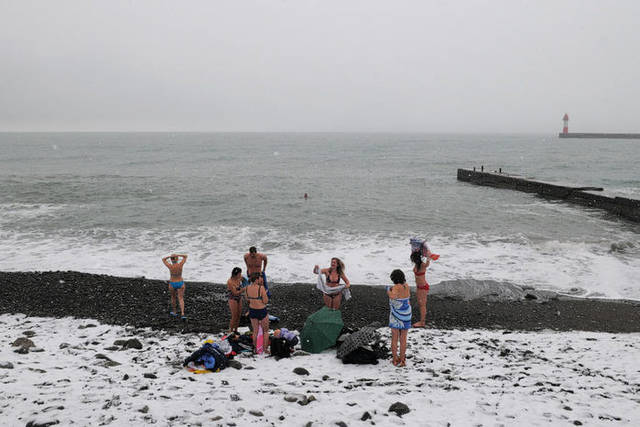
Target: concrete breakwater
[(600, 135), (586, 196)]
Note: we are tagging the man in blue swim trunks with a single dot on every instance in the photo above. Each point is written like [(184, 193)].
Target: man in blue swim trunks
[(176, 283)]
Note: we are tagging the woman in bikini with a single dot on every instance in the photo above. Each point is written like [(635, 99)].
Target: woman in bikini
[(333, 275), (176, 284), (258, 299), (420, 271), (234, 290)]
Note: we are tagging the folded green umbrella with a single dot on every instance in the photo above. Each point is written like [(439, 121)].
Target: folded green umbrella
[(321, 330)]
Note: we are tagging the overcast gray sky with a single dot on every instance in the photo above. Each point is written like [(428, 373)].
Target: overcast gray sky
[(299, 65)]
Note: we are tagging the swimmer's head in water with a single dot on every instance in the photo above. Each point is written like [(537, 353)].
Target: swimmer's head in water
[(236, 271), (397, 277), (253, 250)]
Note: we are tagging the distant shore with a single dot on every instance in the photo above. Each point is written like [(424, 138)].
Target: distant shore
[(143, 302)]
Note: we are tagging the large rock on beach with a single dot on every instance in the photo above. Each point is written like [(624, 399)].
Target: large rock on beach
[(399, 408), (300, 371)]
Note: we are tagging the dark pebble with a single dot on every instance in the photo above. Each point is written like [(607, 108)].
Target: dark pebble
[(300, 371), (399, 408)]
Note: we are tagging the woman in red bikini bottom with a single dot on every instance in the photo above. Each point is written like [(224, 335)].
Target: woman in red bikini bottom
[(420, 270)]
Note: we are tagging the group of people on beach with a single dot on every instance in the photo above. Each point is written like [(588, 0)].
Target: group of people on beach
[(255, 290)]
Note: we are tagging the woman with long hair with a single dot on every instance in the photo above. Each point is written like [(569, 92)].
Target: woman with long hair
[(256, 294), (333, 276), (234, 290), (420, 271)]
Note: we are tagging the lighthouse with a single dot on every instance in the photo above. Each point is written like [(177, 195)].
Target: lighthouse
[(565, 127)]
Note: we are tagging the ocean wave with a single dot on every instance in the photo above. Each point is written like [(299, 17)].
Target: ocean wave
[(590, 267), (11, 211)]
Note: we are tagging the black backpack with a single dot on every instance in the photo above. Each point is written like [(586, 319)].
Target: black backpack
[(280, 347)]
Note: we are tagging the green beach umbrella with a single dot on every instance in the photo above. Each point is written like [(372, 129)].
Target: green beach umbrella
[(321, 330)]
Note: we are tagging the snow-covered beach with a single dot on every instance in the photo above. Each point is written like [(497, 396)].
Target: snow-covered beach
[(456, 377)]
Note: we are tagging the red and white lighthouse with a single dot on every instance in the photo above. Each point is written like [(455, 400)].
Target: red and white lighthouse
[(565, 127)]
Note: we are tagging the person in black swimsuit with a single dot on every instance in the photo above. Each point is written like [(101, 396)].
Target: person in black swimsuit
[(333, 275), (234, 291), (256, 294)]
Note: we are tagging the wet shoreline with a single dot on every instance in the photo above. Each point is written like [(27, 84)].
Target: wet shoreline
[(143, 302)]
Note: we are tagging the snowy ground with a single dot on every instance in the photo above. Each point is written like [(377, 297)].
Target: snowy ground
[(460, 377)]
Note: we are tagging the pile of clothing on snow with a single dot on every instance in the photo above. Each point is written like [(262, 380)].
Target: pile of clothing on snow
[(363, 346), (215, 356)]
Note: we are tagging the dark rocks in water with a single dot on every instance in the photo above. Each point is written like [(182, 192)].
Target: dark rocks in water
[(21, 350), (341, 424), (126, 377), (300, 371), (113, 348), (577, 423), (29, 333), (234, 398), (399, 408), (366, 416), (63, 345), (256, 413), (291, 398), (150, 375), (6, 365), (144, 409), (281, 418)]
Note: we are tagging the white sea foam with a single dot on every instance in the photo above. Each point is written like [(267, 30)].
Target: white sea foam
[(11, 211), (582, 269)]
